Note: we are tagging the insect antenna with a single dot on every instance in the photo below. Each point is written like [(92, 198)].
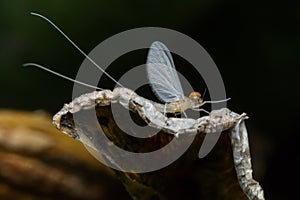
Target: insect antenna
[(204, 93), (82, 52), (60, 75)]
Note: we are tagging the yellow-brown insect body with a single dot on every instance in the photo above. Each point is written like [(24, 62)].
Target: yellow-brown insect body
[(181, 105)]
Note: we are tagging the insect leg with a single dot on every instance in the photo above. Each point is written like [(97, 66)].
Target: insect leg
[(165, 109), (201, 109)]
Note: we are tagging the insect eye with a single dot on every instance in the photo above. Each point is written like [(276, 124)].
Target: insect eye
[(195, 95)]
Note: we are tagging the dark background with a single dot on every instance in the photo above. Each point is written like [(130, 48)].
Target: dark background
[(255, 46)]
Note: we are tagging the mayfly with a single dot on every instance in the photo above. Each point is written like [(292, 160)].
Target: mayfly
[(166, 85), (161, 73)]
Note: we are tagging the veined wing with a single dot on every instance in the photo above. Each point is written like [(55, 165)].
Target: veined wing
[(162, 74)]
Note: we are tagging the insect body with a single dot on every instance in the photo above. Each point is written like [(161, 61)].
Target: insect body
[(179, 106)]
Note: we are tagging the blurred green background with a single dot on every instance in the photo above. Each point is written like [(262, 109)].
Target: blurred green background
[(255, 46)]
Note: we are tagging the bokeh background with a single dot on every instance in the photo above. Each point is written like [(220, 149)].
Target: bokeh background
[(255, 46)]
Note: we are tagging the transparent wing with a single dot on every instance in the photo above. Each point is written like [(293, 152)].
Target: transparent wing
[(162, 74)]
